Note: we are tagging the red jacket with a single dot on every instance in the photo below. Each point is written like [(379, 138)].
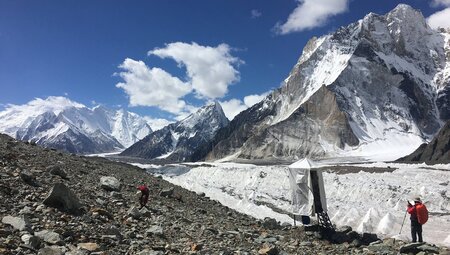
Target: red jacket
[(412, 210), (143, 189)]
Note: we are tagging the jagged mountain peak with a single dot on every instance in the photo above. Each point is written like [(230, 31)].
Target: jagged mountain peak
[(179, 140), (64, 124), (384, 78)]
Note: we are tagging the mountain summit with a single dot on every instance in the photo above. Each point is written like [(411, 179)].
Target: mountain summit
[(60, 123), (376, 88), (177, 141)]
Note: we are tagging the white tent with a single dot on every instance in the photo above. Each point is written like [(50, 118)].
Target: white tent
[(306, 183)]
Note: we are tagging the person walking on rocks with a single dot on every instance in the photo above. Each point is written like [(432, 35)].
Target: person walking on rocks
[(144, 195), (419, 215)]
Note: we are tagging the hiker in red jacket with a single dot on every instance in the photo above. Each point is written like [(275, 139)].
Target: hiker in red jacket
[(144, 195), (416, 227)]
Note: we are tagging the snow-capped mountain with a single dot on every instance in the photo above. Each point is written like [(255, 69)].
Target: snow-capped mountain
[(377, 88), (179, 140), (60, 123)]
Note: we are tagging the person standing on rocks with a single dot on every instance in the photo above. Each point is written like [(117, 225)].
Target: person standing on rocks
[(416, 226), (143, 189)]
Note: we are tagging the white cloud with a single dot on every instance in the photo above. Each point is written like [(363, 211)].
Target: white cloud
[(157, 124), (310, 14), (233, 107), (440, 19), (210, 70), (440, 3), (255, 14), (152, 87)]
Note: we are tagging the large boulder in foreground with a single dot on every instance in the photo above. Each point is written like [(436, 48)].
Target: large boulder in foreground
[(109, 183), (63, 198)]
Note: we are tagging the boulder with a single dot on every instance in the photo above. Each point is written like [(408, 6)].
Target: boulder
[(56, 170), (155, 230), (49, 236), (29, 179), (428, 248), (88, 246), (410, 248), (63, 198), (134, 213), (51, 251), (20, 223), (32, 241), (167, 192), (268, 250), (109, 183), (270, 223)]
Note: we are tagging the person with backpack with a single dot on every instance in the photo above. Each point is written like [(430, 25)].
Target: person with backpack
[(419, 215), (145, 192)]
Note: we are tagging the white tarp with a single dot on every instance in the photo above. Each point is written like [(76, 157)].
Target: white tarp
[(301, 186)]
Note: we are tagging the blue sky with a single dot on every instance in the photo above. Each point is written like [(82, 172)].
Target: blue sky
[(162, 59)]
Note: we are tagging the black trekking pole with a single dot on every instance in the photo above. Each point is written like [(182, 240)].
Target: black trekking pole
[(403, 222)]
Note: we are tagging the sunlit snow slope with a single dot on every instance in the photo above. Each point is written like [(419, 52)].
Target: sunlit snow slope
[(63, 124)]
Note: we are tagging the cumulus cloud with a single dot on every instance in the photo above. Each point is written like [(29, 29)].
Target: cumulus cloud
[(255, 14), (310, 14), (440, 19), (233, 107), (210, 70), (157, 123), (152, 87), (440, 3)]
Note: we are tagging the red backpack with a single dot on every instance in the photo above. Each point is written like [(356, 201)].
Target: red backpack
[(422, 213)]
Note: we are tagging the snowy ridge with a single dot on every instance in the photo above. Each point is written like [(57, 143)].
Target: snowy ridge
[(58, 122), (179, 140), (384, 82)]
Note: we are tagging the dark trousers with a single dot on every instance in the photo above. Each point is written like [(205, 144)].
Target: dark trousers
[(143, 200), (416, 231)]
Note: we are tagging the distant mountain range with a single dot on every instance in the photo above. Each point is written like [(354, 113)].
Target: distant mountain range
[(60, 123), (377, 88), (178, 141)]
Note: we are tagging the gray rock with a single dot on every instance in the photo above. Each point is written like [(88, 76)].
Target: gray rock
[(109, 183), (49, 236), (428, 248), (379, 248), (150, 252), (134, 213), (345, 229), (20, 223), (51, 251), (167, 192), (29, 179), (63, 198), (155, 230), (32, 241), (56, 170), (270, 223), (411, 247)]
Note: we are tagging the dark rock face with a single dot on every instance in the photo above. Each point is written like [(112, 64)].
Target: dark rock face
[(437, 151), (178, 141), (318, 120)]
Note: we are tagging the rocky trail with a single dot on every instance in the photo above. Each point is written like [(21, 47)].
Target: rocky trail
[(58, 203)]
